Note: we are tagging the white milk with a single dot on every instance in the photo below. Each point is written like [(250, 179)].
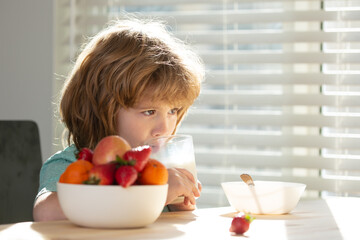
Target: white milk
[(189, 165), (175, 152)]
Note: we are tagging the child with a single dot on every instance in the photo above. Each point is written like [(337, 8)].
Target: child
[(132, 79)]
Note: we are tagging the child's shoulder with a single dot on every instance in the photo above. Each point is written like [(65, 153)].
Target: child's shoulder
[(68, 154)]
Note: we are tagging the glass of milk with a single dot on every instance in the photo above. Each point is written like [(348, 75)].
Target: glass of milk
[(175, 151)]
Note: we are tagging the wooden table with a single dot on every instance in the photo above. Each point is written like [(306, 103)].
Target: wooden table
[(330, 219)]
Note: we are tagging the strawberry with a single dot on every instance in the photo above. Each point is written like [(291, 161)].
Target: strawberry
[(140, 155), (126, 176), (85, 154), (103, 174), (241, 223)]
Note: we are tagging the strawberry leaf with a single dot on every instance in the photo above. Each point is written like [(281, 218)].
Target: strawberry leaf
[(92, 181), (120, 161), (132, 162), (249, 217)]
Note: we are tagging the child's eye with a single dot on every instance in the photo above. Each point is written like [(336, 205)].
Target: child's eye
[(149, 112), (174, 111)]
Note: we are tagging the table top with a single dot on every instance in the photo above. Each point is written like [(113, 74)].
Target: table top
[(331, 219)]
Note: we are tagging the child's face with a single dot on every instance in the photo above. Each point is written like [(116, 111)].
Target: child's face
[(146, 120)]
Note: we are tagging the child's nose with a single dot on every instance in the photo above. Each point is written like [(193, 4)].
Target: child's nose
[(162, 127)]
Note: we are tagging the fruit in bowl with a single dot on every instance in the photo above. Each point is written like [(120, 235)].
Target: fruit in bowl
[(266, 197), (108, 148), (114, 186)]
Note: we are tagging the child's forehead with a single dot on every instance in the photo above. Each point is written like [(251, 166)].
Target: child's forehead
[(147, 104), (148, 100)]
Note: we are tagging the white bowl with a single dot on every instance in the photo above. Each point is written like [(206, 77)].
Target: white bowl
[(266, 197), (112, 206)]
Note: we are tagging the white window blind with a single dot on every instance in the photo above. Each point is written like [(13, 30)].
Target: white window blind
[(281, 99)]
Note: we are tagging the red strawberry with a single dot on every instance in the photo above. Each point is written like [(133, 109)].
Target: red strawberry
[(140, 155), (241, 223), (103, 174), (85, 154), (126, 175)]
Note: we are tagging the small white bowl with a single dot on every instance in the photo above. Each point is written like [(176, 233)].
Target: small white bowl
[(112, 206), (266, 197)]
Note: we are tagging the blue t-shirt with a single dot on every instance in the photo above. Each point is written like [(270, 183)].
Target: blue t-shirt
[(52, 169)]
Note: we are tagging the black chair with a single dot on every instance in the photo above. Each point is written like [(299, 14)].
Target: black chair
[(20, 163)]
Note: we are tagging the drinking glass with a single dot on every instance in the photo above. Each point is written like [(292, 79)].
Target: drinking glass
[(175, 151)]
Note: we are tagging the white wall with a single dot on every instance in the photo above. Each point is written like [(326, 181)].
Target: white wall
[(26, 64)]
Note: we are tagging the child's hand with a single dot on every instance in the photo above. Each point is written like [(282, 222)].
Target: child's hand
[(187, 201), (182, 183)]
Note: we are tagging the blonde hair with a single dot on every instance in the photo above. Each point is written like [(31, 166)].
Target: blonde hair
[(121, 64)]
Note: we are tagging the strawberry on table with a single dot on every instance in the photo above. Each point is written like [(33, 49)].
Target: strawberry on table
[(85, 154), (126, 176), (103, 174), (241, 223), (140, 155)]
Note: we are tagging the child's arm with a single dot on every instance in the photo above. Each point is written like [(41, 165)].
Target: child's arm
[(182, 183), (47, 208)]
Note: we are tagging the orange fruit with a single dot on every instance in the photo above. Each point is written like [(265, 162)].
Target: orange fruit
[(77, 172), (154, 173)]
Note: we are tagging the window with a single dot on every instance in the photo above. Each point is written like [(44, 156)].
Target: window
[(281, 99)]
